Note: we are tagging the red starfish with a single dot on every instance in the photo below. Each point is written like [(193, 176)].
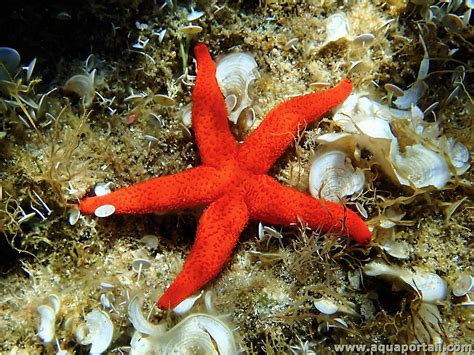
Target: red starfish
[(232, 180)]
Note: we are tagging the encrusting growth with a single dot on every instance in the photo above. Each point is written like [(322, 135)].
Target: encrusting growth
[(232, 180)]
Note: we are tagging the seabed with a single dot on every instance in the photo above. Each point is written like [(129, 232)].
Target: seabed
[(286, 290)]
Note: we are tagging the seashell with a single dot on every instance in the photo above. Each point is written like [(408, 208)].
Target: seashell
[(186, 115), (138, 320), (332, 176), (463, 285), (83, 86), (197, 333), (150, 241), (104, 211), (431, 287), (140, 264), (363, 39), (291, 44), (387, 241), (97, 331), (187, 304), (421, 167), (190, 30), (326, 306), (164, 100), (458, 154), (412, 95), (235, 73), (73, 215), (9, 62), (395, 90), (194, 15), (102, 189), (337, 27), (47, 328)]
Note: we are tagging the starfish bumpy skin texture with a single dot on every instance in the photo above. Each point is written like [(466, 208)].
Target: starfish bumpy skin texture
[(232, 180)]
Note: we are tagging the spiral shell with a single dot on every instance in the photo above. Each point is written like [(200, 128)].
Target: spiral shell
[(235, 73), (332, 176), (198, 333)]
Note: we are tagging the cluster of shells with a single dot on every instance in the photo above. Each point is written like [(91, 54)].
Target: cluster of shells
[(199, 331)]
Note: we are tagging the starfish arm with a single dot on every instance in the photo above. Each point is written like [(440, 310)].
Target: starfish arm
[(216, 237), (281, 126), (271, 202), (209, 113), (188, 188)]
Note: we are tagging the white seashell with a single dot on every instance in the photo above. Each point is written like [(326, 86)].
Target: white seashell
[(194, 15), (104, 211), (326, 306), (411, 96), (47, 328), (83, 86), (187, 304), (431, 286), (363, 39), (337, 27), (138, 320), (73, 215), (97, 331), (421, 167), (332, 176), (186, 116), (235, 73), (55, 301), (463, 285), (102, 188), (458, 154), (190, 30), (394, 89)]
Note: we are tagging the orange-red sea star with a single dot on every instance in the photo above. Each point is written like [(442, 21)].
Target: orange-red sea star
[(232, 180)]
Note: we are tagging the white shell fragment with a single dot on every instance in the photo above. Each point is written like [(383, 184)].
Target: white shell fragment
[(333, 177), (326, 306), (83, 86), (463, 285), (102, 189), (421, 167), (190, 30), (432, 288), (104, 211), (47, 326), (235, 73), (337, 27), (187, 304), (97, 331), (194, 15), (198, 334), (73, 215)]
